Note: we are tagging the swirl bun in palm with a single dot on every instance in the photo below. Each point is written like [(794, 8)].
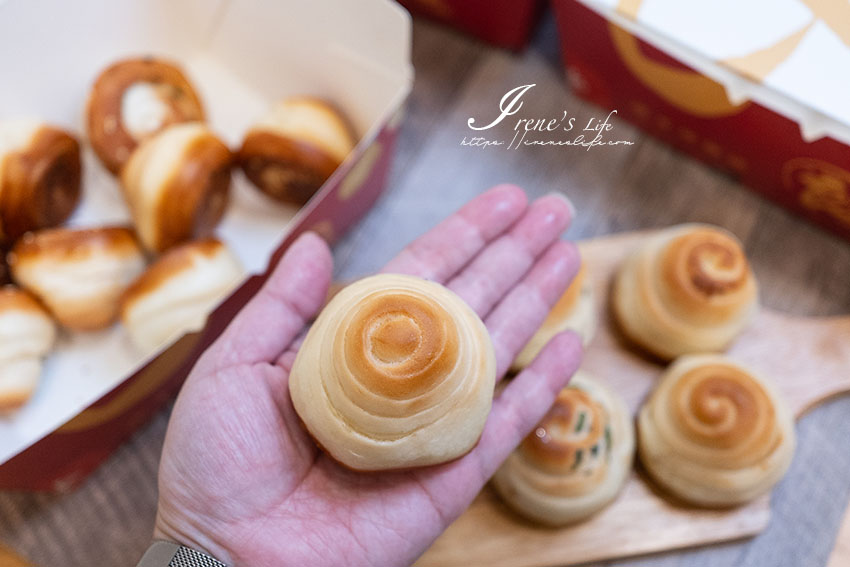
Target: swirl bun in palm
[(27, 334), (79, 274), (177, 185), (714, 433), (688, 290), (574, 311), (40, 174), (575, 461), (396, 372), (176, 294), (292, 151), (134, 99)]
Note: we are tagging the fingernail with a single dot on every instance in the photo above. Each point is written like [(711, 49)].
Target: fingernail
[(565, 199)]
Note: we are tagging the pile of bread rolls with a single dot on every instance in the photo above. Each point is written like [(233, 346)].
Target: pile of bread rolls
[(164, 274), (712, 433)]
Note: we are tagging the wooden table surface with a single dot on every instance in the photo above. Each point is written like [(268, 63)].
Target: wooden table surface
[(107, 521)]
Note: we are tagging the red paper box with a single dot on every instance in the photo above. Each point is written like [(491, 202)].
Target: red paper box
[(758, 138), (506, 23)]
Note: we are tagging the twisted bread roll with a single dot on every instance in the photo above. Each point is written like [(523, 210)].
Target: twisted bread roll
[(134, 99), (577, 459), (27, 334), (396, 372), (177, 185), (78, 274), (177, 293), (687, 290), (715, 434), (293, 150), (40, 175), (574, 311)]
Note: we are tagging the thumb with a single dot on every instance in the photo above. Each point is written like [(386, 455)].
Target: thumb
[(292, 295)]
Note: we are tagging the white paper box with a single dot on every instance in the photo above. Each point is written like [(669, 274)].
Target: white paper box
[(241, 55)]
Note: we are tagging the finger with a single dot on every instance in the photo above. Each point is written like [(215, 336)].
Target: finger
[(521, 405), (518, 316), (287, 358), (291, 296), (505, 260), (524, 402), (445, 249)]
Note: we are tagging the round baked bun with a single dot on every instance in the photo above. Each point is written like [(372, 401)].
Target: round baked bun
[(178, 291), (79, 274), (575, 461), (688, 290), (714, 433), (396, 372), (133, 99), (291, 152)]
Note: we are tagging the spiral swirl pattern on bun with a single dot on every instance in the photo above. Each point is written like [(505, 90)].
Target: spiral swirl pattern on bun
[(688, 290), (714, 433), (575, 461), (396, 372), (40, 173)]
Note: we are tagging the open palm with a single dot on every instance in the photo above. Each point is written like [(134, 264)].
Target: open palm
[(241, 479)]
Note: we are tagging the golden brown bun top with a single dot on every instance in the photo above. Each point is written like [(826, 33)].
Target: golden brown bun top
[(15, 299), (312, 121), (400, 345), (171, 263), (396, 372), (110, 139), (68, 244), (574, 426), (706, 270), (722, 406)]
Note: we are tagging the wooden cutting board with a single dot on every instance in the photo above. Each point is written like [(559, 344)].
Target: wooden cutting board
[(808, 358), (9, 558)]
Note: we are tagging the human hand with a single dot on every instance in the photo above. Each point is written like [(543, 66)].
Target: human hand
[(242, 480)]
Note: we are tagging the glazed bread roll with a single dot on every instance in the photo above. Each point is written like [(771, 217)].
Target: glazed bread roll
[(715, 434), (396, 372), (293, 150), (178, 291), (177, 185), (134, 99), (40, 175), (574, 311), (575, 461), (688, 290), (27, 334), (79, 274)]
